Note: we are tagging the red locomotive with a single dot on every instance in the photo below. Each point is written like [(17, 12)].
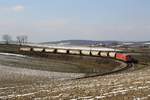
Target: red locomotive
[(123, 57)]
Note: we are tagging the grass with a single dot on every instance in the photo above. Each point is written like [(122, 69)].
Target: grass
[(125, 86), (131, 85), (78, 66), (58, 62)]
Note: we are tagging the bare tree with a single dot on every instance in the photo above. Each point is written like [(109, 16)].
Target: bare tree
[(22, 39), (7, 38), (25, 39)]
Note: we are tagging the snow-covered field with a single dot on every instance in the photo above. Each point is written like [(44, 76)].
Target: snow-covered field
[(29, 84), (38, 73), (20, 82), (12, 54), (123, 86), (11, 58)]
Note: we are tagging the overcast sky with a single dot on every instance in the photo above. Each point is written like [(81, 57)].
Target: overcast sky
[(51, 20)]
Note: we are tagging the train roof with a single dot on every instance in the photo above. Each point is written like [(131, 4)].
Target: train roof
[(76, 47)]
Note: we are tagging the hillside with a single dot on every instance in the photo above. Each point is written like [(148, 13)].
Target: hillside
[(82, 42)]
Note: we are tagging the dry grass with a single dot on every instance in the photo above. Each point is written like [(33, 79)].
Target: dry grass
[(125, 86), (133, 84)]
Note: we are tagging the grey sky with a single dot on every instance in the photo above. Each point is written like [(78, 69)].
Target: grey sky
[(51, 20)]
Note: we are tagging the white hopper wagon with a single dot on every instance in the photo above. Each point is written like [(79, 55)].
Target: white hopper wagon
[(38, 49), (49, 50), (25, 49), (95, 53), (112, 54), (104, 54), (61, 51), (77, 52), (85, 52)]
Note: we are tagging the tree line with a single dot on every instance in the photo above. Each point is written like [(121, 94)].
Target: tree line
[(20, 39)]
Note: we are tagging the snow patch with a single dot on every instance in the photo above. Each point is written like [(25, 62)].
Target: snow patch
[(99, 97), (11, 54)]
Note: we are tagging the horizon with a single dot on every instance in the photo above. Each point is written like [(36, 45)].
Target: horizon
[(12, 40), (100, 20)]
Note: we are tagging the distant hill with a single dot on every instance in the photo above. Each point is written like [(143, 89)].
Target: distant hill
[(98, 43), (82, 42)]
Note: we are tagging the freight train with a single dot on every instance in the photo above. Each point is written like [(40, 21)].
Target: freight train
[(86, 52)]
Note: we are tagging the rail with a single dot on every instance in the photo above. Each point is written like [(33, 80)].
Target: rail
[(128, 65)]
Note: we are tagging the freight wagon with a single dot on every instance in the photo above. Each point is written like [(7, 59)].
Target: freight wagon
[(111, 54)]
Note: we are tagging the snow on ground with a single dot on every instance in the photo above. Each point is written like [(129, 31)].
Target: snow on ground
[(148, 43), (123, 86), (31, 72), (12, 54)]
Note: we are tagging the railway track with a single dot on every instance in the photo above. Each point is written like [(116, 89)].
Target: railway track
[(112, 54), (142, 63), (124, 67)]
